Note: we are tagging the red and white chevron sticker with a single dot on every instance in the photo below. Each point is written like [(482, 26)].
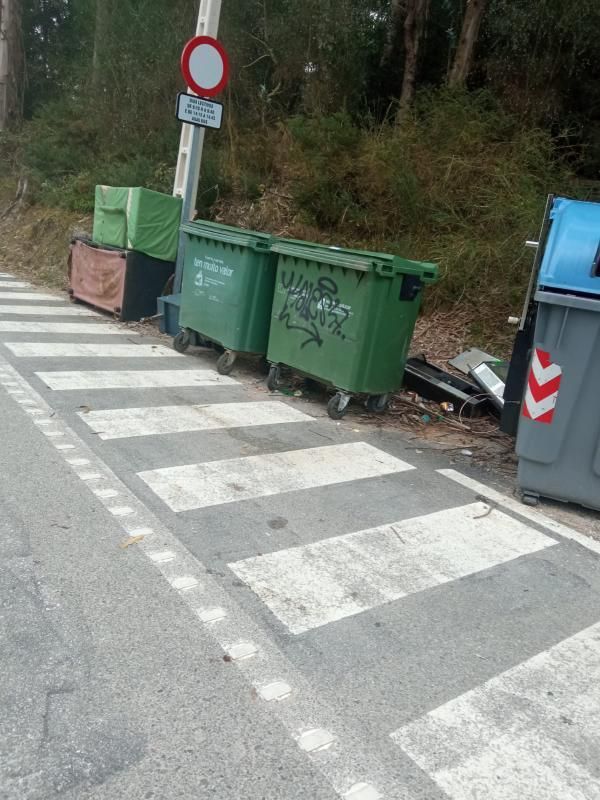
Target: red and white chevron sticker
[(542, 388)]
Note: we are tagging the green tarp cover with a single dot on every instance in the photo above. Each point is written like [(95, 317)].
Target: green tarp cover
[(137, 219)]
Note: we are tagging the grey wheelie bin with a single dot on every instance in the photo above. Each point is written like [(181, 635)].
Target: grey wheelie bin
[(558, 440)]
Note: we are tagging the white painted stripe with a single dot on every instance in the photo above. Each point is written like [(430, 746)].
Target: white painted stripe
[(121, 511), (524, 735), (30, 296), (315, 739), (6, 284), (122, 423), (6, 275), (242, 650), (363, 791), (133, 379), (279, 690), (141, 532), (106, 493), (522, 510), (78, 350), (78, 462), (163, 557), (184, 583), (91, 328), (313, 585), (65, 447), (90, 476), (215, 482), (47, 311), (208, 615)]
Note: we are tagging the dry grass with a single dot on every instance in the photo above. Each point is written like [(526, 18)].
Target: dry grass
[(34, 241)]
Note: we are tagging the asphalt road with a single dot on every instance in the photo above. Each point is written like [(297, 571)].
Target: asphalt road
[(210, 591)]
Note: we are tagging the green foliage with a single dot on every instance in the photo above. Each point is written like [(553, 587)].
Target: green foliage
[(462, 183), (309, 113)]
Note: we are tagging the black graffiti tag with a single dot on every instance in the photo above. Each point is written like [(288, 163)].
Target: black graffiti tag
[(317, 306)]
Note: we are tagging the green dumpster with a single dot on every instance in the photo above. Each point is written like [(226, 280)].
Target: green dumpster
[(227, 291), (345, 318)]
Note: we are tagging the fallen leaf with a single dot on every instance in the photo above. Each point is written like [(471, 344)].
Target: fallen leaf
[(227, 658), (130, 541)]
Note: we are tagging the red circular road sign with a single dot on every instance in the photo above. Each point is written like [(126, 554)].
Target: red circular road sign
[(205, 66)]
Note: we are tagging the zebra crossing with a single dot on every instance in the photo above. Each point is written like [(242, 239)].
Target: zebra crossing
[(524, 730), (62, 327)]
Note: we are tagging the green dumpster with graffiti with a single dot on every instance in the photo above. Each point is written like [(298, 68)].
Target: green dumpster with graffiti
[(227, 291), (345, 318)]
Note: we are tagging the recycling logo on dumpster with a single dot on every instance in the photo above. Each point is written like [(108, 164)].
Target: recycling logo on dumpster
[(542, 388)]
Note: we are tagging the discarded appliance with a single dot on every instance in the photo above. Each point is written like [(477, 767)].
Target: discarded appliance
[(434, 383), (464, 362), (490, 376)]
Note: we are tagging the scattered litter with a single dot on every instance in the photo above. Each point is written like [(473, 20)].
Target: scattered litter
[(426, 418), (447, 407), (468, 453), (298, 393), (132, 540)]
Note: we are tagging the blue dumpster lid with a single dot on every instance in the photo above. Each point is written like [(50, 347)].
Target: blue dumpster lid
[(362, 260), (571, 259)]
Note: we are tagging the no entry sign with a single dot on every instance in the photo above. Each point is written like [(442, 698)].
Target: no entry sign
[(205, 66)]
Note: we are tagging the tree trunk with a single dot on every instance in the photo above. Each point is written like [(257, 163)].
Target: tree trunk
[(414, 26), (392, 35), (463, 58), (101, 33), (11, 63)]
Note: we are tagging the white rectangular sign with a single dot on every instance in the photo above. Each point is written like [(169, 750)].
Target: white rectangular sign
[(198, 111)]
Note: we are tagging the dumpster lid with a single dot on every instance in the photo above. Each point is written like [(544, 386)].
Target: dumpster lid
[(362, 260), (572, 256), (227, 233)]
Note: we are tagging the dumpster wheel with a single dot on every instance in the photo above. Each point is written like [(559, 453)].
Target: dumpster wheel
[(530, 499), (378, 403), (274, 377), (338, 405), (182, 341), (225, 362)]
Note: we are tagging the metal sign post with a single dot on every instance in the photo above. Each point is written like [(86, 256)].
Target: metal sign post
[(192, 142)]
